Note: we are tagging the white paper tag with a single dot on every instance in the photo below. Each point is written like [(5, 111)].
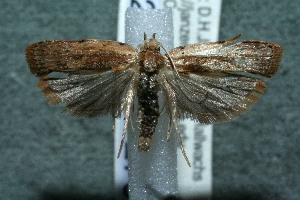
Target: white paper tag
[(195, 21), (121, 164)]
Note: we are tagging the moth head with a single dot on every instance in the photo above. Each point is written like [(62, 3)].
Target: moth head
[(150, 44)]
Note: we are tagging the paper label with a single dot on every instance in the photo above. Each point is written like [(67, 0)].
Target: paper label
[(195, 21)]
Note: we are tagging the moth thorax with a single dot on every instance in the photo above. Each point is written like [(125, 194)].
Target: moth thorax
[(151, 61)]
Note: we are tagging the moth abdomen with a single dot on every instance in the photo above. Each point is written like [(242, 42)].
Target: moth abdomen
[(148, 108)]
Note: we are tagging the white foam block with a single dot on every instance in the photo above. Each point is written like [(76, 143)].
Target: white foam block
[(153, 174)]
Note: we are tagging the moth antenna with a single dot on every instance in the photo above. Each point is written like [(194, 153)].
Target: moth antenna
[(145, 36), (230, 39), (170, 59), (153, 36), (173, 67)]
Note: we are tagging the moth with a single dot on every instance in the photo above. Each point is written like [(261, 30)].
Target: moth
[(207, 82)]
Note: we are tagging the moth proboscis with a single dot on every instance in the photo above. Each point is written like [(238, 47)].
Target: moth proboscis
[(207, 82)]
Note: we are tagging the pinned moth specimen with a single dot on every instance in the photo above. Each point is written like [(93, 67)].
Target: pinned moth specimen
[(207, 82)]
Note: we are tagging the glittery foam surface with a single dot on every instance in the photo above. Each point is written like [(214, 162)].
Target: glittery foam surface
[(152, 174)]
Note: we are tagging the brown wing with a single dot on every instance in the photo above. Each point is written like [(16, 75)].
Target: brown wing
[(93, 77), (62, 56), (255, 57), (207, 88)]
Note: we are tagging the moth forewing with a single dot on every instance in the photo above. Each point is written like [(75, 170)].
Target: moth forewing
[(74, 55), (251, 56)]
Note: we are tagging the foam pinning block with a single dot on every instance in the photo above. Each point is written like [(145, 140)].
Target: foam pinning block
[(152, 174)]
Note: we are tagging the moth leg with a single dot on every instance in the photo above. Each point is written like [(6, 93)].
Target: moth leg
[(170, 96), (175, 122), (126, 106), (123, 136), (114, 123), (126, 118), (169, 129), (131, 124), (163, 110)]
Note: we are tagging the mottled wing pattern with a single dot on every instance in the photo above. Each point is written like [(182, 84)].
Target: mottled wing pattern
[(208, 89), (73, 55), (91, 77), (255, 57)]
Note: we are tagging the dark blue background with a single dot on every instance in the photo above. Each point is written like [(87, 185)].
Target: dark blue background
[(47, 155)]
